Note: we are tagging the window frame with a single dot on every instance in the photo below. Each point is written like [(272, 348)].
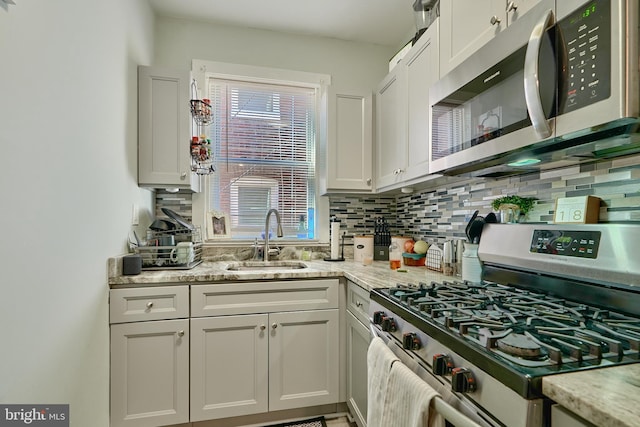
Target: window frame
[(202, 70)]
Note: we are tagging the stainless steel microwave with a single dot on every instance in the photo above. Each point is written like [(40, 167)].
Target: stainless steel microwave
[(558, 87)]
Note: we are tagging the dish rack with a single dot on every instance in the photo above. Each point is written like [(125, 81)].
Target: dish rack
[(434, 258), (157, 257)]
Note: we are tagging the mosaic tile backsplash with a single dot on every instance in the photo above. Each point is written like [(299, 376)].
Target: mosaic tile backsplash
[(441, 213)]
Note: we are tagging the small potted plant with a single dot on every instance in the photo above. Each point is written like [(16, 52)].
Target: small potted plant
[(511, 208)]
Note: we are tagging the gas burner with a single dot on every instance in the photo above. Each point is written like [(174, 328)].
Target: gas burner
[(520, 345)]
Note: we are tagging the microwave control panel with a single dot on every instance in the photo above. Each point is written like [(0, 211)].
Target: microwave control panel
[(586, 56), (580, 244)]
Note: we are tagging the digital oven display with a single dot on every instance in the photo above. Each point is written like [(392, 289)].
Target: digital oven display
[(581, 244)]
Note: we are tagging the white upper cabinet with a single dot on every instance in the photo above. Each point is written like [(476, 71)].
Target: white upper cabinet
[(164, 129), (423, 70), (402, 114), (391, 128), (515, 9), (349, 152), (466, 25)]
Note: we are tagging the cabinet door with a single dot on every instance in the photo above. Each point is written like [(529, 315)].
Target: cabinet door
[(150, 373), (465, 26), (515, 9), (391, 128), (350, 144), (358, 338), (303, 359), (422, 71), (164, 129), (229, 366)]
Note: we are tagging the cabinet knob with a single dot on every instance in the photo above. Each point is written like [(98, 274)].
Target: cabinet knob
[(183, 175), (263, 327), (368, 181), (495, 20), (358, 304), (180, 333), (274, 326), (149, 304), (512, 7)]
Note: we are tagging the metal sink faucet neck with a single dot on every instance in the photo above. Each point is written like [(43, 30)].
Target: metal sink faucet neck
[(266, 231)]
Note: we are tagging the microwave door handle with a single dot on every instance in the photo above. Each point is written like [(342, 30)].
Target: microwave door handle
[(531, 81)]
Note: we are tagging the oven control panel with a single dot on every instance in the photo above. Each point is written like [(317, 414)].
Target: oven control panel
[(574, 243)]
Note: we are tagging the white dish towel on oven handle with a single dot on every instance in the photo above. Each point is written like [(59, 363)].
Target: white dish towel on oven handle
[(379, 361), (397, 396)]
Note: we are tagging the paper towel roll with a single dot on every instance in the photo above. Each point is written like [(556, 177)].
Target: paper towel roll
[(335, 239)]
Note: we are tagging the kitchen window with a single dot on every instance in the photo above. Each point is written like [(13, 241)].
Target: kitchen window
[(264, 135)]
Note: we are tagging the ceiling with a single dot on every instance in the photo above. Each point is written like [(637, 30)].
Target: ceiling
[(383, 22)]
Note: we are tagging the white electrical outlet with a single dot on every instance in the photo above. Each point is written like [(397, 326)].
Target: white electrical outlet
[(135, 217)]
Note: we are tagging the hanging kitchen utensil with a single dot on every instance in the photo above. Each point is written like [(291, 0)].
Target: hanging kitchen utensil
[(466, 230), (476, 229), (491, 218)]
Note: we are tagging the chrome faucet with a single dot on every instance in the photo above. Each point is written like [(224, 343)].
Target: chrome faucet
[(266, 232)]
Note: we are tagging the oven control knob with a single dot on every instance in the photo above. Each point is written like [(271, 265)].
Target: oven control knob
[(388, 324), (410, 341), (377, 317), (462, 380), (442, 364)]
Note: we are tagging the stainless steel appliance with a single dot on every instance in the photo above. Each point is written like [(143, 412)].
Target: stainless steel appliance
[(553, 299), (558, 87)]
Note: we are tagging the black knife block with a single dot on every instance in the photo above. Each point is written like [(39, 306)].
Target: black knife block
[(381, 253)]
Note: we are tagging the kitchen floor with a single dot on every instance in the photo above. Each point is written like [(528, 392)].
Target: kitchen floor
[(339, 422)]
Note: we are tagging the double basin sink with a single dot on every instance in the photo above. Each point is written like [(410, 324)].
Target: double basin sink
[(266, 266)]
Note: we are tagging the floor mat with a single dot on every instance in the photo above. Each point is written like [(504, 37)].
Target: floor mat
[(312, 422)]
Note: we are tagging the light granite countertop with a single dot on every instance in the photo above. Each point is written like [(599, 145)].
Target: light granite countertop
[(376, 275), (607, 397)]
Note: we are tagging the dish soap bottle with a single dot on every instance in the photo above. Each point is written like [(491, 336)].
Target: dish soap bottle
[(302, 229)]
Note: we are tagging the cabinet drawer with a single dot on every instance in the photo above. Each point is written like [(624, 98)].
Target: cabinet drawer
[(263, 297), (358, 302), (153, 303)]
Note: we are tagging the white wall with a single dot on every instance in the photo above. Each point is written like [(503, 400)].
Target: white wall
[(68, 169), (350, 64)]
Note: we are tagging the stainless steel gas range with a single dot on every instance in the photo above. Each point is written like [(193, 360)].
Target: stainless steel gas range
[(554, 299)]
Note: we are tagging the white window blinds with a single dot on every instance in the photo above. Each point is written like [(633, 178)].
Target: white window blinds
[(264, 141)]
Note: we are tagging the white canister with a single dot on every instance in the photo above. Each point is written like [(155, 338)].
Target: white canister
[(362, 248), (471, 265)]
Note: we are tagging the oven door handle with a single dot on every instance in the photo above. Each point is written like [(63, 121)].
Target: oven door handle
[(531, 81), (372, 331)]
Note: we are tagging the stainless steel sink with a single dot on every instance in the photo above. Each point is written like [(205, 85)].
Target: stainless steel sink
[(266, 266)]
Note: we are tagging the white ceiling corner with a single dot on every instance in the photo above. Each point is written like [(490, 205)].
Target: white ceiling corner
[(381, 22)]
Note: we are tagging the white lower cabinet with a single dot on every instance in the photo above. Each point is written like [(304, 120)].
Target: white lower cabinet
[(358, 339), (303, 359), (266, 346), (150, 373), (229, 366), (248, 348)]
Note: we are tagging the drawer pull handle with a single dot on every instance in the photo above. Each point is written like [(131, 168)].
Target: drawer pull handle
[(274, 326), (149, 304), (180, 333)]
